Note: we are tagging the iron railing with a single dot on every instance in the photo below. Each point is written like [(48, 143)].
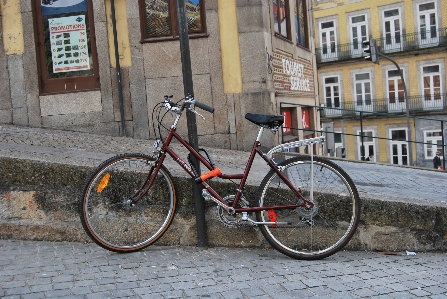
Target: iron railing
[(388, 44), (354, 145), (418, 103)]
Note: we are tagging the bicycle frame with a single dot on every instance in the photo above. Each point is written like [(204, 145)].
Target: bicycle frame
[(166, 149)]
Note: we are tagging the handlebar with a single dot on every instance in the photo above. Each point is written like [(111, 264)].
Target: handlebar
[(189, 101), (203, 106)]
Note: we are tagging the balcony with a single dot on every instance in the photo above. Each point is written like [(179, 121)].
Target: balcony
[(417, 104), (388, 44)]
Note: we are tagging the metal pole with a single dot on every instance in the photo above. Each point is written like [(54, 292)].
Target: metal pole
[(407, 107), (443, 144), (118, 69), (199, 203)]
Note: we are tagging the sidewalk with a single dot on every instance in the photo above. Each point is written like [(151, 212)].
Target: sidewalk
[(73, 270)]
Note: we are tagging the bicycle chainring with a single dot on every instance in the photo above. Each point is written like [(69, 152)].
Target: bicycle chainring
[(235, 220)]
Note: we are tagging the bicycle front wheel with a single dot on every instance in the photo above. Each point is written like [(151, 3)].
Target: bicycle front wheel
[(309, 233), (107, 213)]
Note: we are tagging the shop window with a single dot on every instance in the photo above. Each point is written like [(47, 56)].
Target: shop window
[(301, 24), (65, 46), (159, 19)]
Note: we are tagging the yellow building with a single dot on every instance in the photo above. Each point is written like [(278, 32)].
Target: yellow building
[(365, 102)]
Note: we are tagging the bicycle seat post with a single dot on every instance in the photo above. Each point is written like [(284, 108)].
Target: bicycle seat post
[(258, 139)]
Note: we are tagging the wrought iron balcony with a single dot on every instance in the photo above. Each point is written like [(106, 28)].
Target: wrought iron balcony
[(387, 44), (417, 104)]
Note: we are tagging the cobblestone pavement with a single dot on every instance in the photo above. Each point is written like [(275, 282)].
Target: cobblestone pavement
[(373, 180), (73, 270)]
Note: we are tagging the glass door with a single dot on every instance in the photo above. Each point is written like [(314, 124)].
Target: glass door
[(358, 34), (328, 40), (391, 30), (431, 82), (399, 146), (363, 92), (428, 33), (396, 93)]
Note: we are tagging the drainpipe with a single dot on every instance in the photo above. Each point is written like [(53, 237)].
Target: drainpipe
[(118, 69)]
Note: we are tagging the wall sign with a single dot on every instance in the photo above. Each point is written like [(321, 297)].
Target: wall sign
[(292, 75)]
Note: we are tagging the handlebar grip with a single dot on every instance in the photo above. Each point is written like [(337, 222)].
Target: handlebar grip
[(203, 106)]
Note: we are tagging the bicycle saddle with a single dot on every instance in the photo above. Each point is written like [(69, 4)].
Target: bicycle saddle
[(272, 121)]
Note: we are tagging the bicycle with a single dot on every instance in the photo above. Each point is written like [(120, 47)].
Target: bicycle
[(307, 208)]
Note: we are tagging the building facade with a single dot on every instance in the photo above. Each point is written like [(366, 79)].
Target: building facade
[(61, 69), (366, 103)]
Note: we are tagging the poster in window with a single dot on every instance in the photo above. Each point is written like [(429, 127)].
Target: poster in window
[(66, 38), (69, 48), (305, 118)]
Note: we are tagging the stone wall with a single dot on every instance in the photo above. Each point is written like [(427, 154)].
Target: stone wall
[(39, 201)]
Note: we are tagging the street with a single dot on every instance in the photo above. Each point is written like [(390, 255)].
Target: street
[(72, 270)]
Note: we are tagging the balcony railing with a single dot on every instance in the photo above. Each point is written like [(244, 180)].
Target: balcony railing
[(387, 44), (419, 103)]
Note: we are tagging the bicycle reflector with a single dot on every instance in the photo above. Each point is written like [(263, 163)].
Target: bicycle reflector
[(272, 216), (104, 182)]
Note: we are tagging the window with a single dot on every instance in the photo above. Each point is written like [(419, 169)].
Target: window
[(396, 94), (65, 48), (301, 23), (332, 92), (431, 84), (392, 29), (281, 18), (159, 19), (363, 91), (427, 23), (359, 33), (328, 40), (432, 143), (399, 145), (368, 144)]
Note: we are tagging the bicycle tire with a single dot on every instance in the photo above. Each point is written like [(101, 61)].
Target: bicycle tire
[(315, 233), (109, 219)]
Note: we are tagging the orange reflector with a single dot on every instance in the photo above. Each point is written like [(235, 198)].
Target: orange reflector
[(104, 182)]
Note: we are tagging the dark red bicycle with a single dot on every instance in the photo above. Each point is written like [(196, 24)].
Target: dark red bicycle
[(307, 207)]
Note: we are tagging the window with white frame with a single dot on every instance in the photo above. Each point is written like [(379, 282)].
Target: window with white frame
[(399, 146), (338, 139), (427, 23), (396, 92), (362, 83), (331, 91), (328, 39), (392, 30), (432, 143), (368, 143), (359, 33), (431, 81)]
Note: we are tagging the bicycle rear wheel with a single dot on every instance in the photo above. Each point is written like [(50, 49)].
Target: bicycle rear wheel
[(312, 233), (107, 214)]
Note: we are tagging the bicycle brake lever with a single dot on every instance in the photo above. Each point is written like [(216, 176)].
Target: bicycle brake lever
[(194, 110)]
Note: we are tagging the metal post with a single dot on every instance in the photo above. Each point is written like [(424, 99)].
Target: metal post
[(407, 107), (362, 148), (118, 69), (188, 87), (443, 144)]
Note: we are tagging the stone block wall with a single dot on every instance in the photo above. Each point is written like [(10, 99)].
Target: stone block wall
[(39, 201)]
